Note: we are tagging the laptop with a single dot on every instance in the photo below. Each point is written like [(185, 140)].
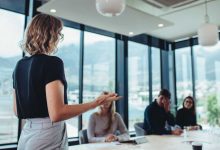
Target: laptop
[(136, 140)]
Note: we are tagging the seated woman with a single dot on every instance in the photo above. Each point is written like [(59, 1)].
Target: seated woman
[(104, 125), (186, 116)]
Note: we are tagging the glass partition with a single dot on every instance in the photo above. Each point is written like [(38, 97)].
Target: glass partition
[(183, 74), (138, 82), (98, 69), (11, 29)]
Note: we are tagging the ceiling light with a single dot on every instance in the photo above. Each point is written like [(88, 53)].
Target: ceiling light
[(53, 10), (131, 33), (207, 32), (160, 25), (110, 8)]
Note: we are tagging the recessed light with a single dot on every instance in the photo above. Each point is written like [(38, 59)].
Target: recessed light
[(131, 33), (160, 25), (53, 10)]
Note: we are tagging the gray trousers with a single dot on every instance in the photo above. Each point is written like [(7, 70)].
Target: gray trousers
[(42, 134)]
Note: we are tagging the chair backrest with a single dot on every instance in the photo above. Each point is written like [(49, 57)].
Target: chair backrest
[(139, 129), (83, 138)]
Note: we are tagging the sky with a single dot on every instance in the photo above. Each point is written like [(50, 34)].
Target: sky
[(11, 32), (73, 36)]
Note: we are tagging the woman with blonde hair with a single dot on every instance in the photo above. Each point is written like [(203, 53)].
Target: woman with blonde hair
[(106, 125), (40, 89)]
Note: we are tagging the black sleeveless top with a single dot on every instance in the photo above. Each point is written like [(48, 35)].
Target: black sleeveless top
[(30, 77)]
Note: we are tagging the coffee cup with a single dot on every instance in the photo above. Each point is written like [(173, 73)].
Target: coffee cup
[(197, 145)]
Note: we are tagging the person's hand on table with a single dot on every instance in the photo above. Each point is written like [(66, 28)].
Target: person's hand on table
[(177, 131), (194, 127), (111, 138)]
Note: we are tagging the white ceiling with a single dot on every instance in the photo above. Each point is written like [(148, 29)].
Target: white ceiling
[(139, 17)]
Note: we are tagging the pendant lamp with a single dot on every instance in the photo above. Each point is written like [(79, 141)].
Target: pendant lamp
[(110, 8), (208, 32)]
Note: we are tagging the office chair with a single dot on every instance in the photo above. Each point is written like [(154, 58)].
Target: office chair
[(139, 129), (83, 138)]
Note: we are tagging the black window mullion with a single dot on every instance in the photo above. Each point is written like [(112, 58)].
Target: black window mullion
[(161, 70), (162, 47), (174, 72), (81, 63), (193, 68), (149, 51), (122, 76), (193, 71)]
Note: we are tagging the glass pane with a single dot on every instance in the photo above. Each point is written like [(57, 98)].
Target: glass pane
[(68, 51), (11, 29), (207, 84), (138, 90), (99, 68), (156, 71), (183, 74)]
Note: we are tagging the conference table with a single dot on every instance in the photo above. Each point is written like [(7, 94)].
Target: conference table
[(210, 141)]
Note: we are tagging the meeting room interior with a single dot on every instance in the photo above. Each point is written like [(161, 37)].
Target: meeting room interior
[(109, 74)]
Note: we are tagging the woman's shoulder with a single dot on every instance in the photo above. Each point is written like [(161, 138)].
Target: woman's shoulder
[(181, 110), (51, 61), (42, 58), (54, 59), (94, 115)]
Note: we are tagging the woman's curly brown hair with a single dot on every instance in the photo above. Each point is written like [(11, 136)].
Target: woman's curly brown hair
[(42, 35)]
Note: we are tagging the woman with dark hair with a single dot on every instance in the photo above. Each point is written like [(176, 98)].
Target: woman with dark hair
[(104, 125), (40, 89), (186, 116)]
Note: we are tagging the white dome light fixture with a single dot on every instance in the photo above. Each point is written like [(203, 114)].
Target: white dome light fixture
[(207, 32), (110, 8)]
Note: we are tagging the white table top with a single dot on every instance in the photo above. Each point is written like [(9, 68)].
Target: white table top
[(156, 142)]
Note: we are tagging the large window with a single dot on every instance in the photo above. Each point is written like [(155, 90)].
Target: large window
[(11, 29), (156, 71), (207, 84), (99, 68), (138, 89), (68, 51), (183, 74)]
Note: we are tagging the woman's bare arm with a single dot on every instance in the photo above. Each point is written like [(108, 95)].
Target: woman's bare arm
[(59, 111)]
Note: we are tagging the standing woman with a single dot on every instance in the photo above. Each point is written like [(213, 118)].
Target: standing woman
[(40, 88), (106, 125), (186, 116)]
